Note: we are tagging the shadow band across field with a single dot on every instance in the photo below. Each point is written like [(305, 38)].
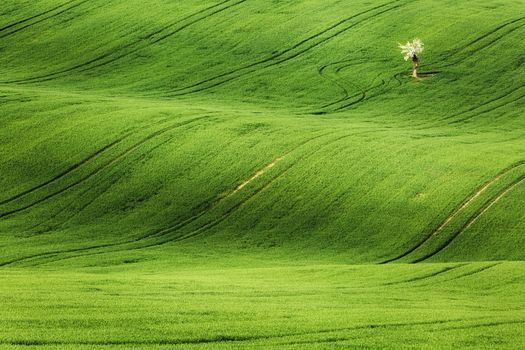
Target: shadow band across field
[(212, 214), (73, 179)]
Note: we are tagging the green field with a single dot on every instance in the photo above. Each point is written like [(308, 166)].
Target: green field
[(261, 174)]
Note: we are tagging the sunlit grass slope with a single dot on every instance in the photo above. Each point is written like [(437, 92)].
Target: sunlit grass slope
[(423, 306), (142, 137), (130, 125)]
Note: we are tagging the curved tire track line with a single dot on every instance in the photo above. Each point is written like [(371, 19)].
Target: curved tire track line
[(364, 97), (278, 58), (491, 109), (339, 83), (322, 73), (44, 19), (154, 233), (66, 171), (147, 41), (271, 181), (463, 275), (74, 167), (240, 338), (467, 56), (234, 208), (98, 182), (424, 277), (163, 232), (396, 76), (486, 35), (489, 204), (100, 168), (478, 192), (337, 67), (361, 96), (427, 125), (473, 272), (208, 225), (484, 45), (36, 16), (486, 324), (462, 48), (107, 185)]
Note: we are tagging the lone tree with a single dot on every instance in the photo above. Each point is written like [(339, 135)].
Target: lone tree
[(410, 50)]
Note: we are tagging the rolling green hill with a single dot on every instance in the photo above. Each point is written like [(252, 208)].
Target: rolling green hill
[(266, 170)]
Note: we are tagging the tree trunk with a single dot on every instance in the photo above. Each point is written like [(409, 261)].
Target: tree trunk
[(415, 66)]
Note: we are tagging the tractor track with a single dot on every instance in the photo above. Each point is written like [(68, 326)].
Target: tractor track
[(489, 204), (364, 96), (2, 29), (484, 45), (453, 54), (339, 83), (239, 338), (67, 171), (484, 324), (475, 49), (83, 162), (464, 57), (491, 109), (110, 183), (154, 233), (359, 97), (288, 53), (474, 272), (463, 205), (234, 208), (463, 275), (16, 30), (134, 47), (424, 277), (474, 108), (166, 231), (101, 167)]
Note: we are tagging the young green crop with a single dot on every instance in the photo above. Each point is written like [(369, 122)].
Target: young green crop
[(235, 174)]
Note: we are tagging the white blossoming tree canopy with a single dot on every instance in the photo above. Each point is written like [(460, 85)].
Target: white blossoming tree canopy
[(411, 50)]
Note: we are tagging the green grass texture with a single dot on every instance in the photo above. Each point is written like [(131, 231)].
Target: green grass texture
[(261, 174)]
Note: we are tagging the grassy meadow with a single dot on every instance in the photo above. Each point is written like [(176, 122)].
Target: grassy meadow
[(261, 174)]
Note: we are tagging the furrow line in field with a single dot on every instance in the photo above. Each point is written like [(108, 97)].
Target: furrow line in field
[(285, 55), (363, 97), (485, 324), (133, 47), (16, 30), (475, 49), (233, 209), (424, 277), (489, 204), (454, 53), (154, 233), (491, 109), (465, 204), (100, 168), (484, 45), (474, 272), (240, 338), (35, 16), (165, 232), (66, 171)]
